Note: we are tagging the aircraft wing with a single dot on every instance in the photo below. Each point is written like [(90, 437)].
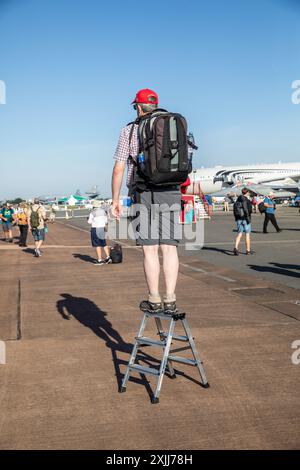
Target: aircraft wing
[(258, 189), (292, 177), (233, 191), (264, 190)]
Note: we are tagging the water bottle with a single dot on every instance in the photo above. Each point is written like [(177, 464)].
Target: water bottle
[(141, 162)]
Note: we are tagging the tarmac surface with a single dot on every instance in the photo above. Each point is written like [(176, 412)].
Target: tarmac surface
[(69, 326)]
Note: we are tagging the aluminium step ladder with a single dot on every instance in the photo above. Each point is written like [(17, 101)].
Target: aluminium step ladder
[(165, 343)]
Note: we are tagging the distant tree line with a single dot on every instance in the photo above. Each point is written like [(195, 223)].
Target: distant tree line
[(18, 200)]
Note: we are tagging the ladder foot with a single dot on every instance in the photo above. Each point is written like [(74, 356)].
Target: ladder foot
[(122, 390), (206, 385), (154, 400)]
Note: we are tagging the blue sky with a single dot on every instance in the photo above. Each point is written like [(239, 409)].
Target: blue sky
[(71, 69)]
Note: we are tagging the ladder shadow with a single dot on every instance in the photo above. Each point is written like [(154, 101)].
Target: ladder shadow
[(86, 312), (151, 362)]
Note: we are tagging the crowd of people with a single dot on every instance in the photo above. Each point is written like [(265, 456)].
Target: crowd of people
[(28, 218), (32, 218)]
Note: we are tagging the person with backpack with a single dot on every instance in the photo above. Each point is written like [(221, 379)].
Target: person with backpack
[(98, 221), (155, 149), (269, 212), (8, 217), (36, 223), (242, 210)]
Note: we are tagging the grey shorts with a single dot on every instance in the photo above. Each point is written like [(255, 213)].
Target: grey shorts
[(7, 226), (159, 217)]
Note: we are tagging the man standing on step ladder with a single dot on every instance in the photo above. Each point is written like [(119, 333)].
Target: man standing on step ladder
[(155, 149)]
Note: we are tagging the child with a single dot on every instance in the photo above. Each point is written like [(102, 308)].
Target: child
[(98, 221)]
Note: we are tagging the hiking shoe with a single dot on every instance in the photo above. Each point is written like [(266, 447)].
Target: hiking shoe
[(151, 307), (251, 252), (10, 240), (108, 260), (236, 252), (170, 308)]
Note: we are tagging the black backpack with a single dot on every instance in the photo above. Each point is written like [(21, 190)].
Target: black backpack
[(239, 210), (116, 254), (163, 150), (262, 208)]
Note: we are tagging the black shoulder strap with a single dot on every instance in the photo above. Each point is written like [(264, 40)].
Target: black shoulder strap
[(245, 206), (132, 124)]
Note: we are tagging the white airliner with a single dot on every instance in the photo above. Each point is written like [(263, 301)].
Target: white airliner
[(275, 176)]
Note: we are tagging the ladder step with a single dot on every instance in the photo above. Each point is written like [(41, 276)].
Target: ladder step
[(183, 360), (177, 337), (143, 370), (157, 315), (151, 342)]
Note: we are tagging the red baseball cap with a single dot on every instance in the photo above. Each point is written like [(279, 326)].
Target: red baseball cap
[(146, 96)]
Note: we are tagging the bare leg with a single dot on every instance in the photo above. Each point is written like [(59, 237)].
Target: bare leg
[(106, 251), (170, 267), (238, 239), (248, 244), (98, 250), (152, 269), (38, 244)]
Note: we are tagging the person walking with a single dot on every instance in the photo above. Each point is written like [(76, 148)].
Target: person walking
[(254, 203), (52, 214), (36, 223), (98, 222), (157, 204), (242, 210), (226, 203), (22, 221), (8, 218), (270, 206)]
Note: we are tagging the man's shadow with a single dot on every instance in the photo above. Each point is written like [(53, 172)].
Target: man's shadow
[(89, 315)]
